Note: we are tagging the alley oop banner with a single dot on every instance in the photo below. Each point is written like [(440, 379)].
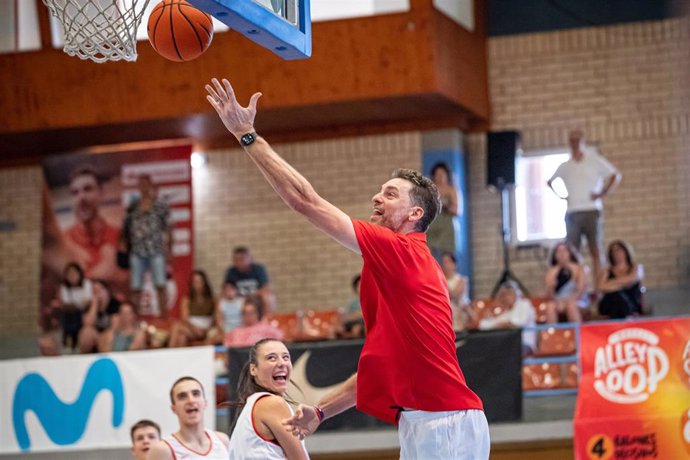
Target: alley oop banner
[(634, 395)]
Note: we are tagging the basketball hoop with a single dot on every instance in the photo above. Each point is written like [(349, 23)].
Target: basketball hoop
[(100, 30)]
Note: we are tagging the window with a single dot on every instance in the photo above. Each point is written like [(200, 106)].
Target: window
[(539, 213)]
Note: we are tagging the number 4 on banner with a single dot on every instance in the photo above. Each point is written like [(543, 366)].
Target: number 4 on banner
[(600, 447)]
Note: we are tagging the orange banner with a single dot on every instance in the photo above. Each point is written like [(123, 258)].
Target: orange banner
[(634, 395)]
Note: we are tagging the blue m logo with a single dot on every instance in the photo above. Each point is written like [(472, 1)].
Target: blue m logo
[(65, 423)]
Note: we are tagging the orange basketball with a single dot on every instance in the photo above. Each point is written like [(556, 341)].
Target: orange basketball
[(178, 31)]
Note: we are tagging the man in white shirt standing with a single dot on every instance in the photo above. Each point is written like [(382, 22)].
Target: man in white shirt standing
[(588, 177)]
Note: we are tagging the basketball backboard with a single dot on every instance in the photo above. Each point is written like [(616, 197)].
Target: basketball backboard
[(282, 26)]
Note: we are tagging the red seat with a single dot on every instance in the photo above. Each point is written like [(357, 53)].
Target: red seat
[(543, 376), (570, 378), (554, 341), (539, 304), (321, 325), (289, 323)]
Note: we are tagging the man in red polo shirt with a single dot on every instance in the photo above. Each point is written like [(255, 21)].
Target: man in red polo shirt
[(408, 371)]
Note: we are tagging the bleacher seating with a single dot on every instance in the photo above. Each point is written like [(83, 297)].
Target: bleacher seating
[(312, 325), (321, 325), (289, 323), (543, 376), (549, 376), (539, 304), (556, 342)]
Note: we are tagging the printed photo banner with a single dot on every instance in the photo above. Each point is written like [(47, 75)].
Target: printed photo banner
[(91, 401), (85, 198), (634, 395)]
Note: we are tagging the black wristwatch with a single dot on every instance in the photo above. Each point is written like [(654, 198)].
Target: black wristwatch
[(248, 139)]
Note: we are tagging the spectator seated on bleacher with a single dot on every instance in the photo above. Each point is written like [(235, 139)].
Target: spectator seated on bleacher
[(251, 278), (565, 285), (197, 314), (74, 298), (621, 283), (352, 320), (126, 332), (253, 328), (98, 318), (229, 311), (457, 291), (510, 309)]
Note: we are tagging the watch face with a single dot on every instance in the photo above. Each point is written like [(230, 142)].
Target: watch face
[(248, 138)]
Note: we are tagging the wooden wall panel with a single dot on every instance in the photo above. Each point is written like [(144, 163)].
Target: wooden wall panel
[(368, 72)]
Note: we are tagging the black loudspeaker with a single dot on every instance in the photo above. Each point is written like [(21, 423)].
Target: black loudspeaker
[(501, 147)]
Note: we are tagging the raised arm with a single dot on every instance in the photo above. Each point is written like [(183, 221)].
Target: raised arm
[(289, 184)]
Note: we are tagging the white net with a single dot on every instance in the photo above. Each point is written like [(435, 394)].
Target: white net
[(100, 30)]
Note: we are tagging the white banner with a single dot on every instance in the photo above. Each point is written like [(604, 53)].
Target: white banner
[(91, 401)]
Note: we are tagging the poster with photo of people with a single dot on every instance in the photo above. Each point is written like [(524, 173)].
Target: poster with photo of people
[(87, 199)]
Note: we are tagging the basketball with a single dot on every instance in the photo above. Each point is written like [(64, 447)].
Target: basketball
[(178, 31)]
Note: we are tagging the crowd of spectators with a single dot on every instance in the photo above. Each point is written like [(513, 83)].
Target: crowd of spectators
[(86, 316), (91, 318)]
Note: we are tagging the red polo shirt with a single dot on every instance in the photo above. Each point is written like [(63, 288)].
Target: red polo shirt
[(409, 357), (93, 243)]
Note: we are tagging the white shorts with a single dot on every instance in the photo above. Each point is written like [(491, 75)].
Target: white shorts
[(451, 435)]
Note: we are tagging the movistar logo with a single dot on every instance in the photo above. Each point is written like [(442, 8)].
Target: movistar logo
[(65, 423)]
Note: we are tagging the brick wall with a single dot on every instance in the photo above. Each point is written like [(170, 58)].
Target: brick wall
[(20, 210), (628, 87), (233, 205)]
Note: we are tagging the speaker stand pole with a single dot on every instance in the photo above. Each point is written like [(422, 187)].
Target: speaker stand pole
[(506, 275)]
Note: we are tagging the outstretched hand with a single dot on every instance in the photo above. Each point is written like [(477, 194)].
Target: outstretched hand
[(237, 119), (303, 422)]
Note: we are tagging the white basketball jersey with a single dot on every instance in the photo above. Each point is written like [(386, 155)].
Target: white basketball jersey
[(216, 451), (247, 444)]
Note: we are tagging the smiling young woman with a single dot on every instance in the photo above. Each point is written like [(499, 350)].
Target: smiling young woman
[(257, 430)]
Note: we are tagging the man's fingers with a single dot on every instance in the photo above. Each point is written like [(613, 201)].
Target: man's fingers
[(222, 95), (214, 103), (289, 423), (229, 90), (254, 99), (212, 92)]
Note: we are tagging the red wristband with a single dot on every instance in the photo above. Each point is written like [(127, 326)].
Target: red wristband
[(319, 413)]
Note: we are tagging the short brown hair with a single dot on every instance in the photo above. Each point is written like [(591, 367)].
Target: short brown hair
[(86, 171), (184, 379), (143, 424), (424, 194)]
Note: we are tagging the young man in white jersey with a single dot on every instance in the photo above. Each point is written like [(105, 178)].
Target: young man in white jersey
[(192, 440), (144, 434)]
